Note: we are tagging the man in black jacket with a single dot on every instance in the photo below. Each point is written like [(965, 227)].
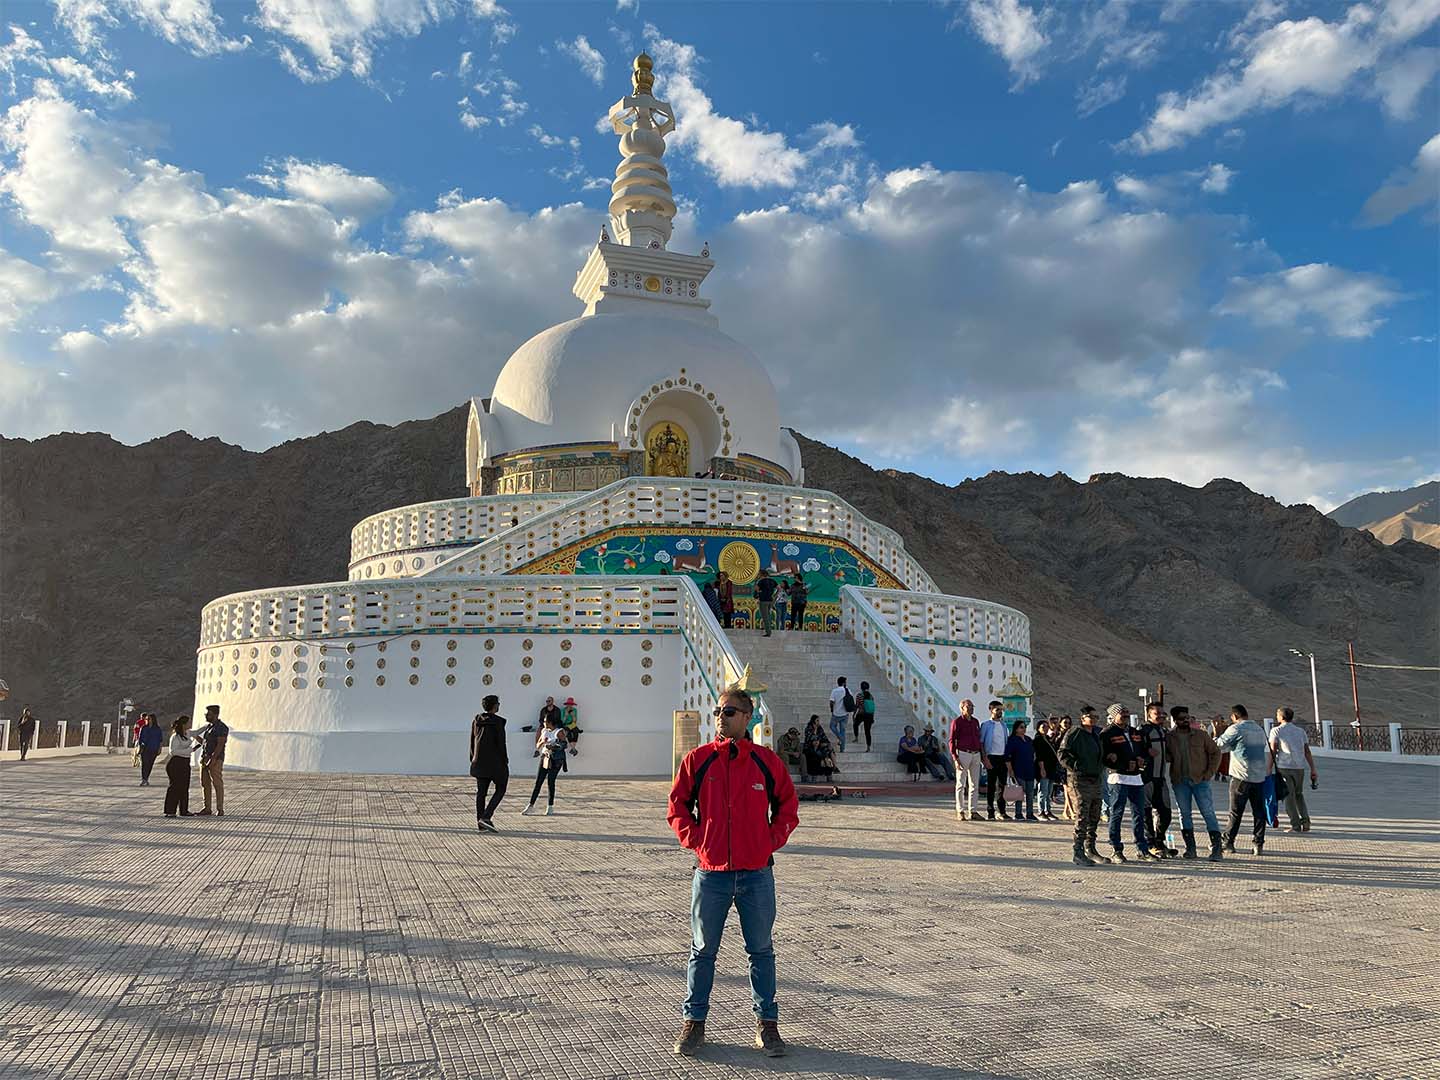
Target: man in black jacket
[(489, 761), (1123, 751), (1156, 763), (1080, 751)]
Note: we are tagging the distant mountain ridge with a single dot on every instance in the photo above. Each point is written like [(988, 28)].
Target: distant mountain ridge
[(1412, 514), (109, 552)]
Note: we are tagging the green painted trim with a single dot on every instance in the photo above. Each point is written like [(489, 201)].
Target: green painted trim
[(948, 644)]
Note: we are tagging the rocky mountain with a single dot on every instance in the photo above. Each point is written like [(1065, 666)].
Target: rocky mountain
[(1364, 510), (1390, 516), (108, 552)]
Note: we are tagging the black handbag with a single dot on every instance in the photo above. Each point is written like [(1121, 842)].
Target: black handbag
[(1282, 789)]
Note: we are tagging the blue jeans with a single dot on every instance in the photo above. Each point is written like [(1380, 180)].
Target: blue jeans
[(752, 892), (782, 613), (838, 724), (1199, 790), (1116, 795), (1043, 791)]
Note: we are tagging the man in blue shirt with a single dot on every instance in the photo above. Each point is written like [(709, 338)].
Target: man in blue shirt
[(1249, 751), (993, 735)]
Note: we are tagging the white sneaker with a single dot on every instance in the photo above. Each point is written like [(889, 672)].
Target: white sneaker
[(549, 811), (527, 811)]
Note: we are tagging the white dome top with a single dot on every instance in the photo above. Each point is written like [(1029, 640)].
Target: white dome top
[(583, 381)]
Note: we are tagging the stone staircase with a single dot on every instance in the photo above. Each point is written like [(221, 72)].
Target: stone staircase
[(800, 669)]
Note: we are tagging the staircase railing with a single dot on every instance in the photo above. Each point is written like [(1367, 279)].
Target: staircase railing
[(725, 503), (952, 621), (905, 671)]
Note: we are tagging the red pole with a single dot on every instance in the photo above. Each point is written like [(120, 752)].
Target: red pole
[(1355, 693)]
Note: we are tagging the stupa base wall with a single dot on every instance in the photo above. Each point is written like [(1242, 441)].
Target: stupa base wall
[(408, 708)]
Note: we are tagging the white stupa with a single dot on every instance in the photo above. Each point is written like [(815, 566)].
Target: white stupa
[(623, 458)]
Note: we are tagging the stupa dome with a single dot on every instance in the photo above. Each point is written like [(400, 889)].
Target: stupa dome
[(612, 378)]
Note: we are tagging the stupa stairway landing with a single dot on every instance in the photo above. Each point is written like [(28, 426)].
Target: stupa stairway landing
[(799, 671)]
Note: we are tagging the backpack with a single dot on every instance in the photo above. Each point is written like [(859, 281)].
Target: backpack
[(869, 704), (849, 702)]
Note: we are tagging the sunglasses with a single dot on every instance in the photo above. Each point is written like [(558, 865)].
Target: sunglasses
[(728, 711)]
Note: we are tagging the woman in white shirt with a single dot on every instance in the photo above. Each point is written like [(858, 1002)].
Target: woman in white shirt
[(177, 769), (550, 745)]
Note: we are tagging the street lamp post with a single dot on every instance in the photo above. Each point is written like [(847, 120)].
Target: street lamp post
[(122, 712), (1314, 688)]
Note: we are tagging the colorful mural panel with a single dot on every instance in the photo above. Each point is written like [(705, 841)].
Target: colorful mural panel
[(825, 564)]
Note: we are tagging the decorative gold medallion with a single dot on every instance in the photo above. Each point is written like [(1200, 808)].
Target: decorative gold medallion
[(652, 284), (740, 561)]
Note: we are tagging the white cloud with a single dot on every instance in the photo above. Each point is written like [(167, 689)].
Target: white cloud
[(740, 154), (1207, 420), (332, 186), (1176, 187), (23, 285), (1292, 62), (591, 62), (631, 6), (552, 142), (1216, 179), (735, 154), (68, 175), (1418, 185), (191, 24), (1401, 82), (1341, 303), (342, 35), (25, 57), (1099, 93), (1012, 30)]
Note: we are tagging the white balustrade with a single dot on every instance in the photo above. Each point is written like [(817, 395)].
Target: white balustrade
[(904, 670), (537, 603), (447, 522), (930, 618), (639, 501)]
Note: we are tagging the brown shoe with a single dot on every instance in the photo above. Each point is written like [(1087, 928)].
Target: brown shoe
[(692, 1037), (767, 1038)]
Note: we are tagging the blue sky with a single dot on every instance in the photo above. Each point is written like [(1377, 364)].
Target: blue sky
[(1172, 239)]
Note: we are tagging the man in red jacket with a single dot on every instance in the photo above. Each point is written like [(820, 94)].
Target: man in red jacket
[(734, 806)]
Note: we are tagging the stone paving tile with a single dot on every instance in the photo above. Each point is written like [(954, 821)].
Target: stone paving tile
[(358, 927)]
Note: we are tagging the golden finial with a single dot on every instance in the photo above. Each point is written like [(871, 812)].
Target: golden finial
[(643, 75)]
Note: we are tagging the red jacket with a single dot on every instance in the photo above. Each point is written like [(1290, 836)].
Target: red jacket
[(737, 820)]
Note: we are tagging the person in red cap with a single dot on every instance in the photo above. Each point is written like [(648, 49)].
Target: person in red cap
[(570, 721), (733, 804)]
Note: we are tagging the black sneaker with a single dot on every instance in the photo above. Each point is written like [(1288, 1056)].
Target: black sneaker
[(1081, 859), (767, 1038), (692, 1037), (1118, 856), (486, 825), (1149, 856)]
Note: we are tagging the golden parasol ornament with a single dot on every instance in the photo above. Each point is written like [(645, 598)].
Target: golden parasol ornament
[(749, 683)]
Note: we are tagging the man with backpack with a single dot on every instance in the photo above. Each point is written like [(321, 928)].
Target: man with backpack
[(842, 704), (733, 804), (765, 599), (799, 594), (865, 716)]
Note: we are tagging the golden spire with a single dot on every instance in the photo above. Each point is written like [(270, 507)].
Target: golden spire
[(643, 75)]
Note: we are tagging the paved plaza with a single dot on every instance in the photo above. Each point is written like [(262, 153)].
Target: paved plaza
[(357, 926)]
